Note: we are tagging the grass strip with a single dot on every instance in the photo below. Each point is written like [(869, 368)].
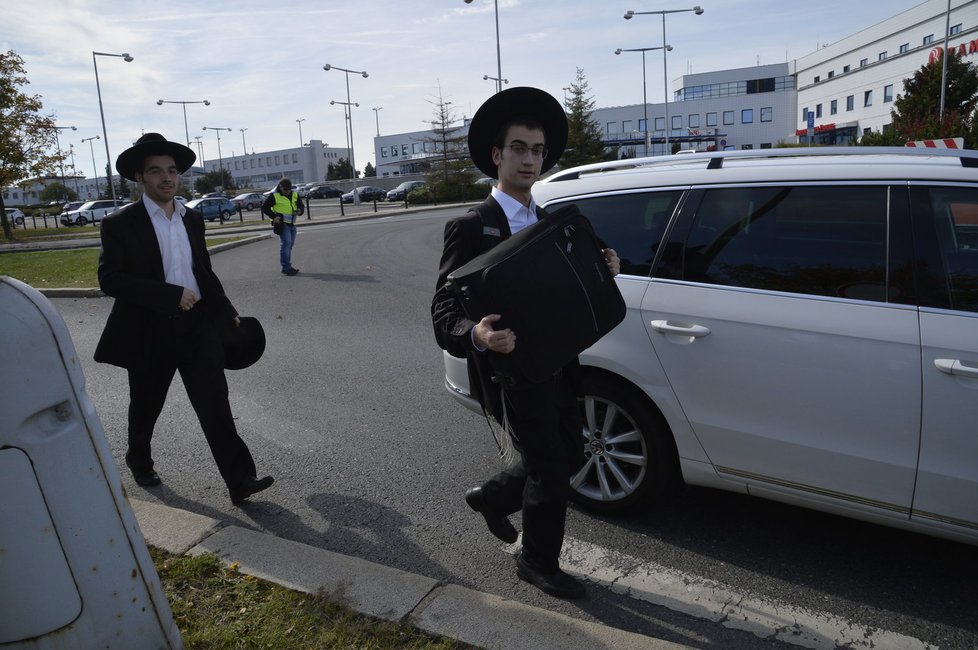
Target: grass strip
[(217, 607), (64, 268)]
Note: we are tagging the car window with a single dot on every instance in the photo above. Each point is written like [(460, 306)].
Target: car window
[(955, 211), (828, 241), (632, 224)]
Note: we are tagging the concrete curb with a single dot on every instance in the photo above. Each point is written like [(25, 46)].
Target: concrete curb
[(482, 620)]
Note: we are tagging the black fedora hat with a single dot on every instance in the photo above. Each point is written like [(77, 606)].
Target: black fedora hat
[(244, 344), (503, 107), (153, 144)]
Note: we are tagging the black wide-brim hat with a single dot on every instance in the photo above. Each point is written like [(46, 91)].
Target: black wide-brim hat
[(153, 144), (503, 107), (244, 344)]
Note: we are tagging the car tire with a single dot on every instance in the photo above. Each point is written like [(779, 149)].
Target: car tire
[(81, 221), (225, 216), (634, 461), (250, 207), (19, 221)]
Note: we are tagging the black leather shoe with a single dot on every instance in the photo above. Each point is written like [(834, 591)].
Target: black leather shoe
[(558, 584), (249, 486), (146, 478), (498, 524), (291, 272)]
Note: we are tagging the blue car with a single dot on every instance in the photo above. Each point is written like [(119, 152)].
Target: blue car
[(213, 208)]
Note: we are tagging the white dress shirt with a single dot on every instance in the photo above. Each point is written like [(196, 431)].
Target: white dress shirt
[(518, 215), (178, 261)]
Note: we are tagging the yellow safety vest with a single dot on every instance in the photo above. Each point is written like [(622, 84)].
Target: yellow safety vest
[(286, 206)]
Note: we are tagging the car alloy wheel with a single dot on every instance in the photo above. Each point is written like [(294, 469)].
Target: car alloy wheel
[(225, 216), (630, 455), (81, 221)]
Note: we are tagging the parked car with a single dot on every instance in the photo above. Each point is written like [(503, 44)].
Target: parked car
[(71, 205), (248, 201), (14, 216), (213, 207), (323, 192), (400, 192), (90, 212), (366, 193), (800, 327), (217, 195)]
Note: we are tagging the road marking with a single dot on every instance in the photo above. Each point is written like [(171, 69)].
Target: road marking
[(708, 599)]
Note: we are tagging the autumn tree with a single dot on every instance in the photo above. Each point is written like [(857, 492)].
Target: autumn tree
[(916, 113), (584, 144), (26, 136)]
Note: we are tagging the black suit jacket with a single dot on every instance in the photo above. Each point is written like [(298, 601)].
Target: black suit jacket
[(130, 269)]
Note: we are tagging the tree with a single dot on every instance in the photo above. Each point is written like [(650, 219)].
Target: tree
[(916, 113), (369, 171), (210, 181), (57, 192), (340, 171), (26, 136), (449, 171), (584, 143)]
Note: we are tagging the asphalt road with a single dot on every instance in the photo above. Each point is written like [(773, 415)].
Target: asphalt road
[(371, 458)]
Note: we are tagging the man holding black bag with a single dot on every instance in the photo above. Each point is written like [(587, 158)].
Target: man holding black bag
[(283, 206), (515, 136)]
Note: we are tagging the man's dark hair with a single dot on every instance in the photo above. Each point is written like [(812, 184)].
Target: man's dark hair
[(285, 184), (499, 141)]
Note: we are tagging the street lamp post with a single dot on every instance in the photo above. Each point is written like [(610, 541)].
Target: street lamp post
[(698, 10), (108, 157), (349, 108), (376, 110), (91, 148), (186, 130), (220, 159), (645, 100), (498, 81), (299, 122), (244, 147), (57, 142), (74, 172), (499, 61)]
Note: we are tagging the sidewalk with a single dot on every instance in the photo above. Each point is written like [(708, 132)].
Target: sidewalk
[(472, 617)]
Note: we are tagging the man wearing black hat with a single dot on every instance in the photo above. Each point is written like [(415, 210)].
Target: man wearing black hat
[(169, 314), (515, 136)]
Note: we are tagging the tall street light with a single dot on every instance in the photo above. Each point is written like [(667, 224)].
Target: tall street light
[(91, 148), (698, 10), (244, 147), (61, 159), (160, 102), (376, 110), (108, 157), (645, 100), (498, 81), (299, 122), (499, 61), (74, 172), (349, 108), (220, 159)]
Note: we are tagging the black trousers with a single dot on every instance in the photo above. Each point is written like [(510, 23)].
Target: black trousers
[(546, 423), (188, 344)]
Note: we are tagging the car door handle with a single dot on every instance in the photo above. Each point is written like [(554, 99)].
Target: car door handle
[(665, 327), (955, 367)]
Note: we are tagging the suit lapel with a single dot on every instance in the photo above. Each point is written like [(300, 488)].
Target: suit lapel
[(145, 234)]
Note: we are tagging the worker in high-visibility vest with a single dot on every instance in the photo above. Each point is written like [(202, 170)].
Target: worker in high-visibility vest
[(283, 206)]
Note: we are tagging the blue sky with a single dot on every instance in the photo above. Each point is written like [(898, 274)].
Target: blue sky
[(261, 65)]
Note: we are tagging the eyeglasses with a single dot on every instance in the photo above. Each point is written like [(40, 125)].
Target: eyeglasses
[(520, 149)]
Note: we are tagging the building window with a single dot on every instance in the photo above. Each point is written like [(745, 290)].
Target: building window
[(831, 73), (928, 39), (383, 152), (660, 124), (846, 68), (626, 126), (833, 107), (677, 122), (881, 57), (955, 29), (888, 93), (404, 150), (904, 48), (817, 79), (711, 119), (767, 114), (643, 125), (868, 98), (818, 110), (612, 127), (804, 114), (278, 160), (765, 145), (694, 121), (728, 117), (863, 63), (747, 116), (745, 147), (850, 102)]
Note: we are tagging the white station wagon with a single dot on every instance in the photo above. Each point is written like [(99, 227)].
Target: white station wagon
[(802, 326)]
